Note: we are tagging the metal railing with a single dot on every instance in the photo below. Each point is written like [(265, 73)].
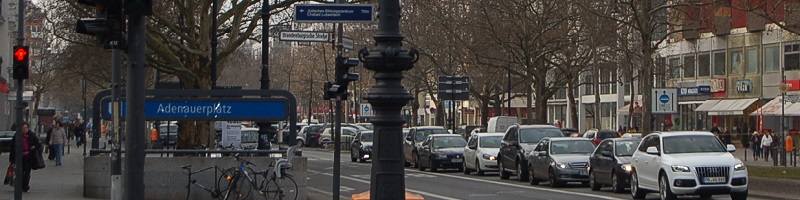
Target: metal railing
[(201, 152)]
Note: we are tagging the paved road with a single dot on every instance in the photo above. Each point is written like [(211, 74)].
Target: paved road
[(447, 185)]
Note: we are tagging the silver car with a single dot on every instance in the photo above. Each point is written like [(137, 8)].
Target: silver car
[(560, 160)]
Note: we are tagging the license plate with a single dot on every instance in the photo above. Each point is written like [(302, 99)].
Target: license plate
[(458, 160), (582, 173), (714, 180)]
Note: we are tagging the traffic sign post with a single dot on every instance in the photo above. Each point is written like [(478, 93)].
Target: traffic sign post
[(664, 101), (453, 88), (334, 13)]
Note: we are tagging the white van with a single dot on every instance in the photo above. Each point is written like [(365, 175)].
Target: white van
[(500, 123)]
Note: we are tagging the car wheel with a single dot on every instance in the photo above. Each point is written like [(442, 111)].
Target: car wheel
[(419, 165), (663, 188), (465, 168), (416, 160), (531, 179), (705, 196), (553, 181), (636, 193), (593, 182), (615, 184), (503, 173), (434, 167), (522, 172), (478, 168), (739, 195)]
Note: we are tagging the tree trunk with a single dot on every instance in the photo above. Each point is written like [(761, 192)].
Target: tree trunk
[(415, 108), (647, 69), (597, 117), (192, 134), (484, 112), (572, 107), (529, 102)]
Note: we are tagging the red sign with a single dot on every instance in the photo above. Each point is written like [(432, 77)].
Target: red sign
[(793, 85)]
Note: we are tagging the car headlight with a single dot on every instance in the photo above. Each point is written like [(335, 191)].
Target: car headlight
[(739, 167), (627, 167), (561, 165), (680, 168), (441, 156), (488, 157)]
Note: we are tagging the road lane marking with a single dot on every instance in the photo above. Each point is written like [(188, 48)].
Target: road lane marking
[(410, 190), (518, 186)]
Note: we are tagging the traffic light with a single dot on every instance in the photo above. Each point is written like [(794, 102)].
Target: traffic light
[(329, 91), (343, 75), (21, 62), (107, 25)]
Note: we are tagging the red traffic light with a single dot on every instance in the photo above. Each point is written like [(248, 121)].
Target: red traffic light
[(20, 54)]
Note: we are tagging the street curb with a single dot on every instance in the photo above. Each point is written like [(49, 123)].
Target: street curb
[(766, 196)]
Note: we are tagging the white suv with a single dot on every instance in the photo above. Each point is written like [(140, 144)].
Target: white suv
[(687, 163)]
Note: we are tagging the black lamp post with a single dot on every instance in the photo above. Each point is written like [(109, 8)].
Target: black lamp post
[(387, 97)]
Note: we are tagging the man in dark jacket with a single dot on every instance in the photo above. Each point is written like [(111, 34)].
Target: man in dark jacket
[(30, 142)]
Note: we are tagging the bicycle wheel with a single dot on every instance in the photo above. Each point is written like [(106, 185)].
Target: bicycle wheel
[(240, 189), (280, 188), (224, 182)]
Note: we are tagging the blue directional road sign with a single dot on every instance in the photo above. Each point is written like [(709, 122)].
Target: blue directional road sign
[(210, 109), (664, 100), (334, 13)]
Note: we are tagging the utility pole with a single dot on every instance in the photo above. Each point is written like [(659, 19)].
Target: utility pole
[(387, 96), (20, 88), (116, 155), (264, 127), (134, 115)]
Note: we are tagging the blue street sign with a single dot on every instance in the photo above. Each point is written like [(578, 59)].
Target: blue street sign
[(664, 98), (334, 13), (210, 109)]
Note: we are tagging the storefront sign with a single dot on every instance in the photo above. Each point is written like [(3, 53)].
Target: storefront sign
[(718, 85), (698, 90), (793, 85), (744, 86)]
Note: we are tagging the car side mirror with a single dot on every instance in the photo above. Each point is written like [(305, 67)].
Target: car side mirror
[(731, 148), (652, 150), (542, 153), (606, 153)]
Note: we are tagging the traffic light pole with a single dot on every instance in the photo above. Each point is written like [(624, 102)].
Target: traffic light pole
[(337, 147), (116, 156), (134, 117), (20, 88), (387, 97)]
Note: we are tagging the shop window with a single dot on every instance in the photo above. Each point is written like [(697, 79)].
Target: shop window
[(719, 63), (703, 65), (688, 66), (675, 67), (791, 56), (753, 59), (772, 58), (737, 62)]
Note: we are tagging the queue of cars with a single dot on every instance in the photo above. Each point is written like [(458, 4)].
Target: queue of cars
[(669, 163)]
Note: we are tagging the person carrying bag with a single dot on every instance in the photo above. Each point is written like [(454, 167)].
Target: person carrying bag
[(31, 155)]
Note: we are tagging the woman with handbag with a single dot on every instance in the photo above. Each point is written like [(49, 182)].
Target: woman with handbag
[(31, 149)]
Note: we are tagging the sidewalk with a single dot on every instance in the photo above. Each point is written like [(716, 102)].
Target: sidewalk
[(767, 187), (62, 182)]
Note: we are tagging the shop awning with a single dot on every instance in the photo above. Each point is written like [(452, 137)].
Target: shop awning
[(730, 106), (707, 105), (773, 108), (791, 110)]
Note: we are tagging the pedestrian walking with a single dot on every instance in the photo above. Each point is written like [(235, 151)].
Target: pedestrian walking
[(766, 145), (80, 138), (57, 142), (756, 145), (49, 149), (30, 146)]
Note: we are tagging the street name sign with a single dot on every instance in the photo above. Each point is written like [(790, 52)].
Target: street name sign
[(334, 13), (664, 100), (304, 36), (348, 43), (211, 109)]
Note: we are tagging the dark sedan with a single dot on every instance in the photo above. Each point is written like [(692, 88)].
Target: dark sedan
[(560, 160), (442, 151), (5, 141), (361, 147), (610, 164)]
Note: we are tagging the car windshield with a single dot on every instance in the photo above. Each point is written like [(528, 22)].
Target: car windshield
[(170, 129), (607, 134), (692, 144), (626, 148), (448, 142), (423, 133), (366, 137), (491, 141), (571, 147), (533, 135), (249, 136)]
